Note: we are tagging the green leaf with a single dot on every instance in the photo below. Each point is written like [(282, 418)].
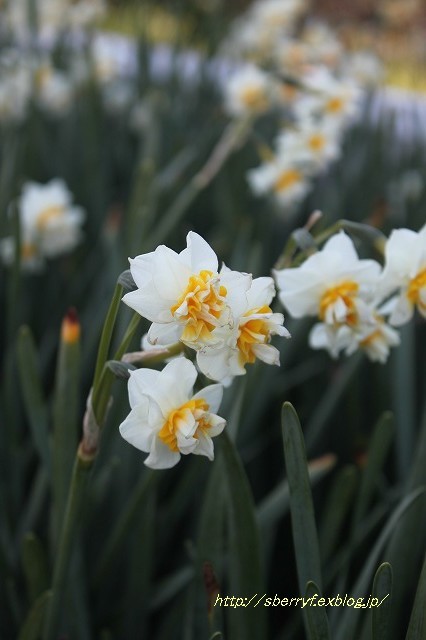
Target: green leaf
[(302, 511), (348, 620), (34, 402), (336, 507), (377, 452), (417, 627), (316, 616), (66, 418), (210, 549), (245, 577), (382, 590), (33, 624), (34, 563)]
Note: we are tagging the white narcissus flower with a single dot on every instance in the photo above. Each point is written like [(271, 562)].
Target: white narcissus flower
[(166, 419), (184, 295), (255, 323), (284, 177), (329, 97), (405, 270), (332, 284), (316, 141), (249, 90), (375, 338), (50, 223), (54, 89)]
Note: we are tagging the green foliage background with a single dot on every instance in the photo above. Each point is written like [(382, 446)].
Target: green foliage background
[(140, 551)]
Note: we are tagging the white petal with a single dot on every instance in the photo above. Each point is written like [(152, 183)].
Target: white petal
[(148, 382), (261, 292), (149, 304), (199, 255), (215, 363), (402, 312), (212, 395), (141, 268), (179, 377), (170, 275), (164, 334), (204, 446), (161, 456), (267, 353), (137, 428)]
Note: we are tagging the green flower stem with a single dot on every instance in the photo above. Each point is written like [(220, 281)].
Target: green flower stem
[(76, 497), (233, 137), (106, 336), (102, 392)]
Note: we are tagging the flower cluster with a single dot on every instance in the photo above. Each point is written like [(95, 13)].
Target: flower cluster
[(223, 315), (50, 224), (310, 80), (352, 297)]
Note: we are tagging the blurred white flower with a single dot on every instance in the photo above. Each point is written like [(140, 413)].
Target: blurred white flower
[(364, 67), (166, 420), (332, 284), (54, 89), (284, 177), (316, 141), (405, 273), (249, 339), (50, 223), (328, 97), (183, 294), (277, 15), (249, 90), (375, 338)]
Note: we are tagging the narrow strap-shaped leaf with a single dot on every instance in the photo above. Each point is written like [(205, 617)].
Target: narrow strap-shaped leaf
[(66, 407), (34, 563), (417, 626), (339, 502), (245, 579), (347, 622), (382, 590), (210, 550), (316, 616), (377, 452), (33, 624), (305, 538), (34, 402)]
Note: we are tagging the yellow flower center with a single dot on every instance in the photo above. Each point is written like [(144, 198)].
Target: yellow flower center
[(335, 105), (414, 289), (48, 214), (193, 410), (254, 98), (253, 332), (346, 292), (202, 303), (316, 142), (287, 179)]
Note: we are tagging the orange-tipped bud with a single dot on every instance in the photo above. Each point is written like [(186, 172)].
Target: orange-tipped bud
[(70, 330)]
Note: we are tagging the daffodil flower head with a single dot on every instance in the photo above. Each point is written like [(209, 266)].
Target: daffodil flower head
[(50, 223), (405, 273), (332, 284), (166, 419), (184, 295), (254, 325)]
